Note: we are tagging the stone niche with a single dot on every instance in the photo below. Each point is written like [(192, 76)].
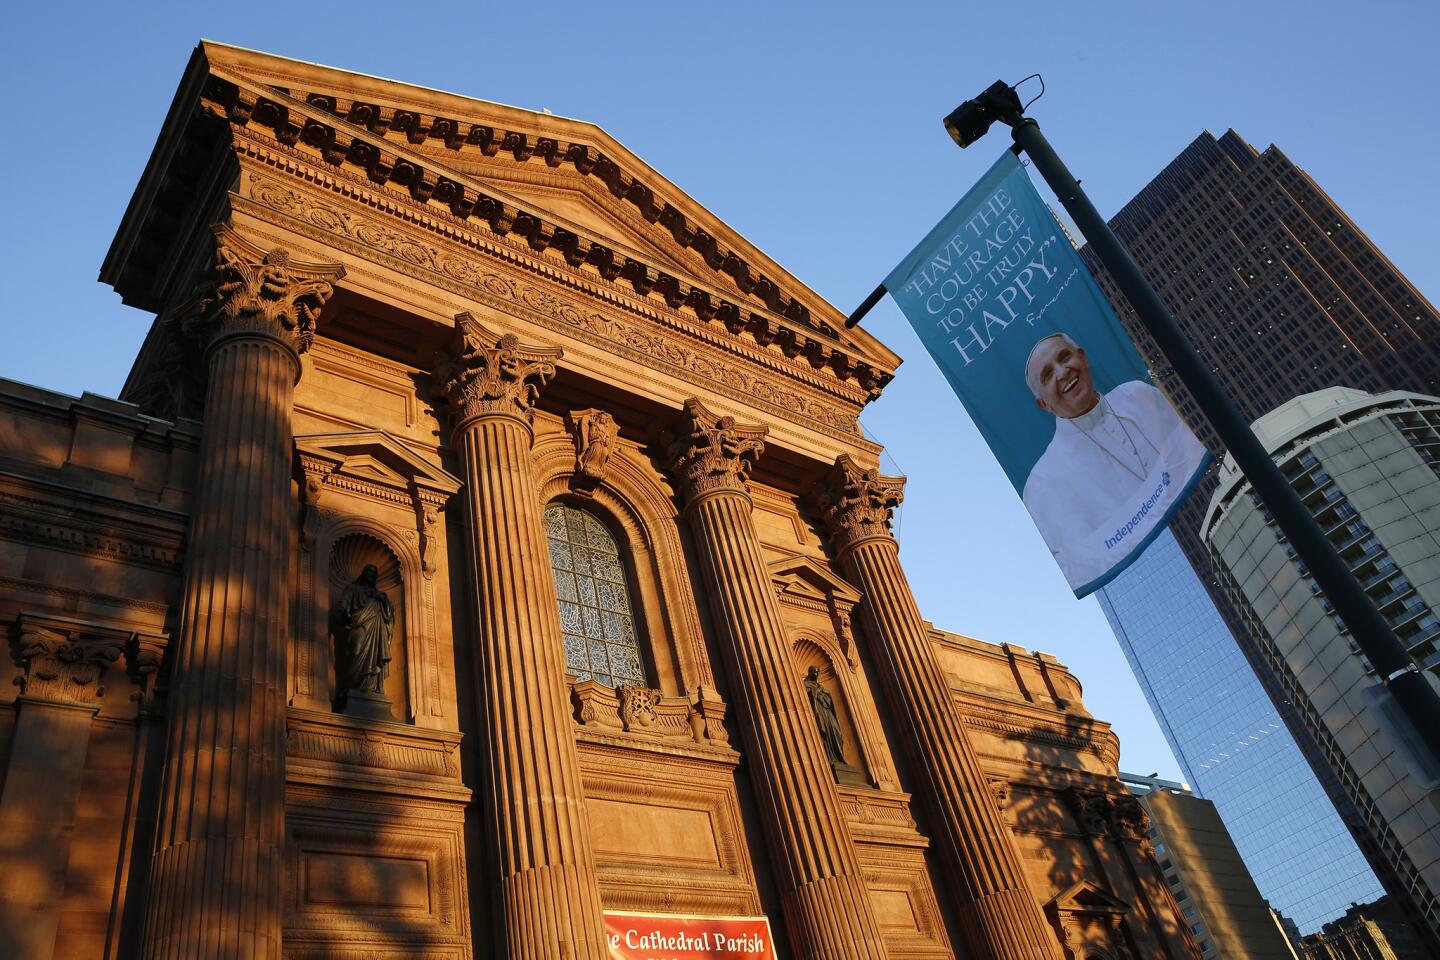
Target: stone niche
[(370, 499), (375, 807), (818, 608)]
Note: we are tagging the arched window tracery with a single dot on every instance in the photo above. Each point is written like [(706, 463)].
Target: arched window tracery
[(596, 612)]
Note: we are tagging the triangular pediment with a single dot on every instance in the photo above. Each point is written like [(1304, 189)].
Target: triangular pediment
[(1085, 896), (800, 576), (569, 175), (375, 457)]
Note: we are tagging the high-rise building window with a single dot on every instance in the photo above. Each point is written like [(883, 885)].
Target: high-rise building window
[(595, 608)]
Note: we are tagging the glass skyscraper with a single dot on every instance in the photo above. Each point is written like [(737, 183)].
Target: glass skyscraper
[(1231, 742), (1281, 294)]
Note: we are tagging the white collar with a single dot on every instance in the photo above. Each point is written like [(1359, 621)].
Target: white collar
[(1092, 419)]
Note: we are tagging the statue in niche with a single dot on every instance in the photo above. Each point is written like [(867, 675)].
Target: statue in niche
[(823, 706), (365, 623)]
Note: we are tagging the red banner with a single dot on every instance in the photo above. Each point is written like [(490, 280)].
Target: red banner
[(645, 936)]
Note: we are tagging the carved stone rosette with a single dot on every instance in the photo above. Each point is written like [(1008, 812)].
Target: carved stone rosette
[(489, 373), (260, 293), (710, 453), (65, 668), (856, 504), (1000, 914)]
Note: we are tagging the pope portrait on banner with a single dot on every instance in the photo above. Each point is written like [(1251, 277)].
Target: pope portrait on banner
[(1115, 465)]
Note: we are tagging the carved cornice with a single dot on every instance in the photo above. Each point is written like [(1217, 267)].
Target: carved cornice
[(643, 332), (710, 453), (71, 520), (64, 661), (260, 292), (856, 504), (1038, 732), (364, 136), (468, 200), (489, 374), (373, 464)]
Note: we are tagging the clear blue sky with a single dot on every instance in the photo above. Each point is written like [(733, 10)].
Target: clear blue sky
[(814, 129)]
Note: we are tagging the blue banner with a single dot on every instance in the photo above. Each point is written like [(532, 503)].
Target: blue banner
[(1001, 299)]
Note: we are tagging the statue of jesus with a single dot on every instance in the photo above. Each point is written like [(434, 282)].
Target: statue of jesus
[(368, 620)]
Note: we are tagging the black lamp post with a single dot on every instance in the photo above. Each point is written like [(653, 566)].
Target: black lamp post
[(1409, 686)]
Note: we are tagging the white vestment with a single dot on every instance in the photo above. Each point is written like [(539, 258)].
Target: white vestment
[(1108, 476)]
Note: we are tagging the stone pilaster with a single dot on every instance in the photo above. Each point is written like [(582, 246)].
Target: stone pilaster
[(1001, 916), (60, 693), (827, 907), (549, 895), (216, 872), (1130, 825)]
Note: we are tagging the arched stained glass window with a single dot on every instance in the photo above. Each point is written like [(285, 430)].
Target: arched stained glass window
[(595, 615)]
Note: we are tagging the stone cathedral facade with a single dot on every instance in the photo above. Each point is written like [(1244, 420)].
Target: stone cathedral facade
[(484, 545)]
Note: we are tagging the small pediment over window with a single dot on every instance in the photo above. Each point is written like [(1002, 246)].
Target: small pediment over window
[(375, 459), (800, 578), (1084, 897)]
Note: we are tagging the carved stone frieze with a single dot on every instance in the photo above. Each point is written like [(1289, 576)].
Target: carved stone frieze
[(258, 291), (856, 504), (152, 539), (64, 665), (486, 373), (594, 432), (1100, 814), (713, 453), (363, 148), (638, 338), (698, 717)]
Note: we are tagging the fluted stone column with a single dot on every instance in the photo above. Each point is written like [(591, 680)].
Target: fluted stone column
[(1001, 916), (827, 907), (216, 873), (549, 895)]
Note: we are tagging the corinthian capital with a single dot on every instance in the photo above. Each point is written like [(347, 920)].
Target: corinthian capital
[(252, 290), (856, 504), (713, 453), (62, 665), (487, 373)]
